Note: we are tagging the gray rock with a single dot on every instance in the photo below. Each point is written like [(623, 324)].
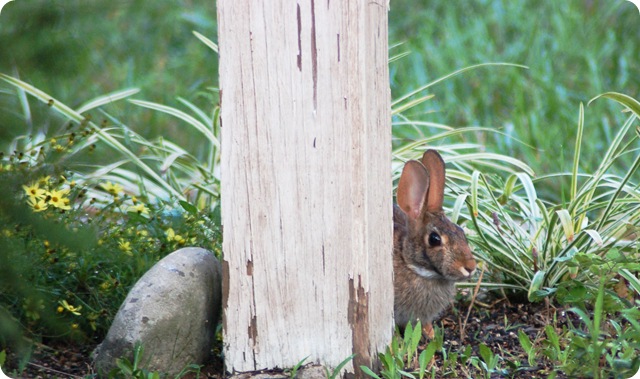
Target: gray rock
[(172, 311)]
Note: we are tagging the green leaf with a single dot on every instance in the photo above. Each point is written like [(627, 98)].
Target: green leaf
[(415, 339), (410, 104), (525, 342), (532, 196), (195, 123), (632, 104), (541, 294), (212, 45), (412, 93), (509, 186), (576, 154), (576, 293), (552, 336), (457, 207), (336, 372), (406, 374), (485, 353), (425, 357), (124, 365), (567, 223), (485, 158), (568, 256), (634, 282), (107, 99), (475, 178), (3, 357), (108, 139), (187, 206), (368, 371), (536, 284)]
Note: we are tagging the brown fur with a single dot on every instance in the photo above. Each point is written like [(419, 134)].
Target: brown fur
[(424, 275)]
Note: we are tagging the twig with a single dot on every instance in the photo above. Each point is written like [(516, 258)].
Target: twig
[(473, 300), (490, 306)]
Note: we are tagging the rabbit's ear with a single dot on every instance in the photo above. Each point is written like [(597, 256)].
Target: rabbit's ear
[(434, 164), (412, 188)]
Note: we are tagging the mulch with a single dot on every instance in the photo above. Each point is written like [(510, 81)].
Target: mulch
[(495, 325)]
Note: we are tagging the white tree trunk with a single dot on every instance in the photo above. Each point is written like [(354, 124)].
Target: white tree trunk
[(306, 182)]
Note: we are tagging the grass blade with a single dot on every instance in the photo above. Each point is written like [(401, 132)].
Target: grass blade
[(567, 224), (632, 104), (212, 45), (106, 99), (576, 155), (108, 139), (202, 128), (457, 72)]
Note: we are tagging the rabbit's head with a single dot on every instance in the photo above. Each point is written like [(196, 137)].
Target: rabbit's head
[(435, 248)]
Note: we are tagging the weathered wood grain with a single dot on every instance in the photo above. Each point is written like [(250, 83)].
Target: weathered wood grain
[(306, 181)]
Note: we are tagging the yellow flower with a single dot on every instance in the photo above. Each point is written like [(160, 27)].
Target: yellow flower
[(34, 191), (44, 180), (38, 205), (139, 208), (74, 326), (58, 199), (172, 236), (125, 246), (105, 285), (70, 308), (113, 189)]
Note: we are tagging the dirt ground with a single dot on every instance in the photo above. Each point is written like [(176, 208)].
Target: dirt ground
[(495, 325)]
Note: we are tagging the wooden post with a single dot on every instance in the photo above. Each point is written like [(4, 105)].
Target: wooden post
[(306, 182)]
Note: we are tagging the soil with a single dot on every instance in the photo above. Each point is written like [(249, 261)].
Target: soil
[(495, 325)]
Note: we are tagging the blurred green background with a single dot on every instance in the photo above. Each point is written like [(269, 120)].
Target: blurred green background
[(76, 50), (576, 49)]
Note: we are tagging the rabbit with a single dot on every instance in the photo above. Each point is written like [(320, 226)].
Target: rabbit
[(430, 253)]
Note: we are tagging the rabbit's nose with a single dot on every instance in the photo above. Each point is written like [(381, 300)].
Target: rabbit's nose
[(471, 266), (468, 268)]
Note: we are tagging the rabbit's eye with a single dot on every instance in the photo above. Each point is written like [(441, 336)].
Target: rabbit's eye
[(434, 239)]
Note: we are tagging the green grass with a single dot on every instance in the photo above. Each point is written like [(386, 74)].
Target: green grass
[(574, 49), (147, 45)]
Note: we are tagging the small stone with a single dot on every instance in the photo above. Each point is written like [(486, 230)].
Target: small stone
[(312, 372), (172, 311)]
